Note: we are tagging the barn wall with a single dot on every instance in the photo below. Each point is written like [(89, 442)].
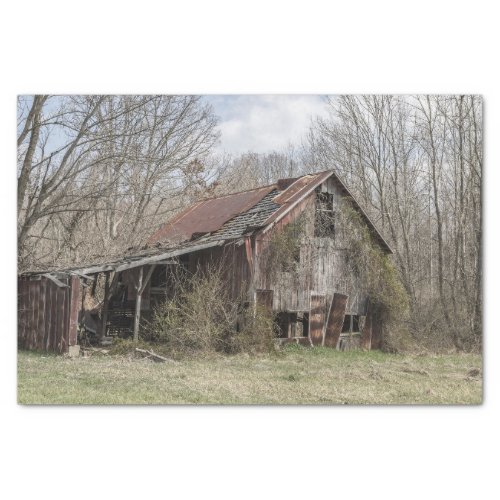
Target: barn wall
[(323, 263), (235, 265), (47, 314)]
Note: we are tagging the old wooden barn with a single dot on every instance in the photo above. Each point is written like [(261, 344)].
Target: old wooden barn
[(316, 297)]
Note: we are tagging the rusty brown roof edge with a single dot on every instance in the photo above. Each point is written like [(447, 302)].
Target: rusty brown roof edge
[(267, 186), (287, 206)]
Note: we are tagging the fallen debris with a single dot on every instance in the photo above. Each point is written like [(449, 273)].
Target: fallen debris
[(89, 351), (152, 355)]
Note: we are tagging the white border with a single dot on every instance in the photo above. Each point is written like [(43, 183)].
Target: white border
[(258, 47)]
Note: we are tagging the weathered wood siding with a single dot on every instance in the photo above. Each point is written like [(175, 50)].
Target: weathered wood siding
[(48, 313), (317, 318), (232, 258), (235, 266), (335, 320), (323, 265)]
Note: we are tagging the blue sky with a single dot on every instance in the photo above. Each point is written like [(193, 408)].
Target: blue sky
[(263, 123)]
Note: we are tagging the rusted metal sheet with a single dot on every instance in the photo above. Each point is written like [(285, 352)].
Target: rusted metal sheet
[(208, 215), (299, 190), (47, 314), (317, 318), (335, 319)]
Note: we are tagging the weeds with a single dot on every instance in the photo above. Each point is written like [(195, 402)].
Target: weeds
[(203, 317)]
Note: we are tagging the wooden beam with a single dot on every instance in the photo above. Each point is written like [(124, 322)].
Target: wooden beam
[(146, 280), (73, 311), (152, 259), (55, 280), (138, 300), (105, 306)]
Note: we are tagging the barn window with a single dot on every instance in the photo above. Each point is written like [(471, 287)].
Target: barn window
[(324, 224), (351, 323)]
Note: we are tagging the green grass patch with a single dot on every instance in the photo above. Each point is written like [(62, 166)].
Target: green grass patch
[(295, 376)]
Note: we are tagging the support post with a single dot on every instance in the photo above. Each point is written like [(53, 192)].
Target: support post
[(140, 287), (138, 300), (105, 306)]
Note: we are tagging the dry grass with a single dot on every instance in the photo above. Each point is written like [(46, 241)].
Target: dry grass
[(298, 376)]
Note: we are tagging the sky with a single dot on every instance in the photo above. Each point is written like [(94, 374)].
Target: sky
[(263, 123)]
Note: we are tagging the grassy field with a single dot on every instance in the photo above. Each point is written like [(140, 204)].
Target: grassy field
[(297, 376)]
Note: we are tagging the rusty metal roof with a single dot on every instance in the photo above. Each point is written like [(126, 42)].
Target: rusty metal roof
[(233, 215), (218, 221), (208, 216)]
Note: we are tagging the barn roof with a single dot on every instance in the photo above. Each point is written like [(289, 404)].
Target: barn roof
[(233, 215), (217, 221)]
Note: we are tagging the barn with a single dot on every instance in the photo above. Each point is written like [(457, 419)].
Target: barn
[(283, 247)]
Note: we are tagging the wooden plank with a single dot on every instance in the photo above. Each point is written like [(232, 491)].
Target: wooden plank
[(137, 318), (52, 341), (48, 315), (105, 305), (74, 310), (34, 306), (317, 318), (40, 334), (21, 312), (65, 331), (335, 320), (55, 280), (147, 278), (61, 299)]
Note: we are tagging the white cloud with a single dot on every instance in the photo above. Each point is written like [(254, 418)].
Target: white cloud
[(262, 123)]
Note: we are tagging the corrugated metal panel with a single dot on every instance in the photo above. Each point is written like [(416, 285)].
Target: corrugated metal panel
[(209, 215), (47, 314)]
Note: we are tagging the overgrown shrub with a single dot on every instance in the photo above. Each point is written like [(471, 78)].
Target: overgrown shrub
[(282, 252), (203, 317), (389, 300)]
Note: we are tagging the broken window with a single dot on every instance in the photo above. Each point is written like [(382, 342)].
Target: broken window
[(324, 223), (351, 323)]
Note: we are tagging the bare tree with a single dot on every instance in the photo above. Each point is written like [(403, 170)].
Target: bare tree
[(415, 164), (96, 172)]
